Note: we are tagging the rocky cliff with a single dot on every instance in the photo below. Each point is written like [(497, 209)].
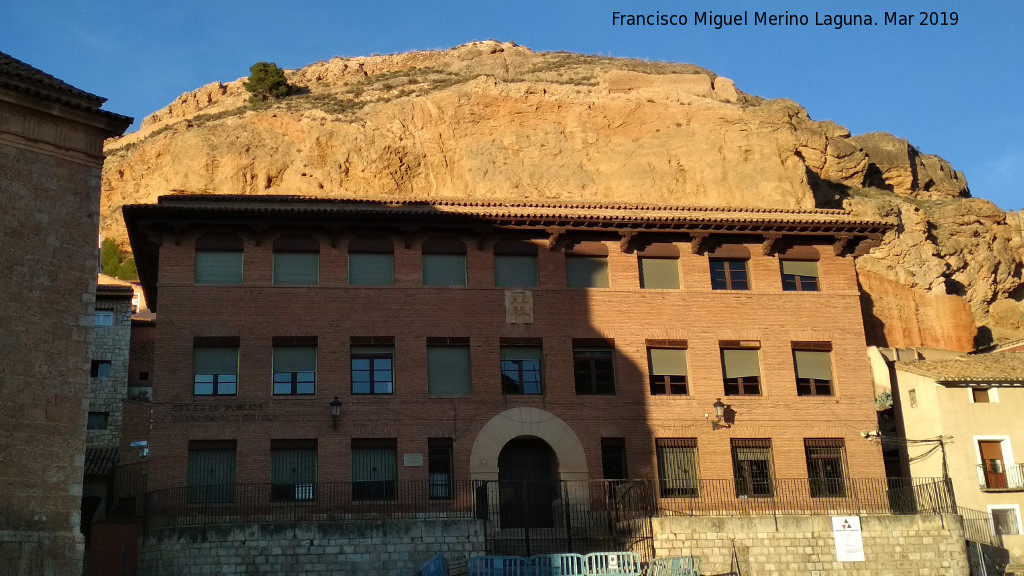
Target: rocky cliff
[(492, 120)]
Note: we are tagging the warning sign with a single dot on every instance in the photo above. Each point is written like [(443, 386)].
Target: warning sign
[(848, 538)]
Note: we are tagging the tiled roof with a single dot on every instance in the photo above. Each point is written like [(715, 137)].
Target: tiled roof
[(511, 210), (20, 77), (992, 368), (111, 285), (100, 461)]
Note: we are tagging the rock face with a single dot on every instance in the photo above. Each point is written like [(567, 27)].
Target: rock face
[(492, 120)]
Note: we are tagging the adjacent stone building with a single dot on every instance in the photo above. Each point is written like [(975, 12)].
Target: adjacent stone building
[(51, 138)]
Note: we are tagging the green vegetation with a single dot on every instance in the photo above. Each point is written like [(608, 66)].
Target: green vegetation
[(115, 263), (266, 81)]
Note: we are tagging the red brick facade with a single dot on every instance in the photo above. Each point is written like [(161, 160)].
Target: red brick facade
[(333, 312)]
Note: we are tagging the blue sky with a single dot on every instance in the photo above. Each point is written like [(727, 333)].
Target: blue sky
[(955, 90)]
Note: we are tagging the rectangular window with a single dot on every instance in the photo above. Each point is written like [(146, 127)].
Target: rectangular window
[(586, 271), (613, 459), (521, 369), (677, 467), (103, 318), (296, 268), (741, 368), (658, 273), (826, 466), (373, 369), (799, 276), (444, 269), (1005, 522), (215, 370), (593, 370), (667, 371), (515, 270), (752, 468), (728, 274), (981, 395), (219, 267), (97, 421), (448, 370), (813, 364), (374, 469), (293, 470), (371, 269), (439, 468), (912, 396), (211, 471), (294, 370), (100, 369)]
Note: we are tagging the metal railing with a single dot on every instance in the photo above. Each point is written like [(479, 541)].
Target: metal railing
[(1010, 478), (339, 501), (979, 527)]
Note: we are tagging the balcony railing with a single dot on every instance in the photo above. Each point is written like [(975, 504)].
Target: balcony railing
[(334, 501), (994, 477)]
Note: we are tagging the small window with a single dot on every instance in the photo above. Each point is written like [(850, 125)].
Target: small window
[(515, 264), (983, 395), (293, 470), (448, 369), (97, 420), (741, 368), (1005, 521), (667, 371), (593, 370), (294, 370), (143, 375), (296, 260), (215, 370), (444, 262), (613, 459), (440, 468), (826, 466), (374, 469), (218, 260), (799, 276), (677, 467), (371, 261), (912, 396), (728, 274), (211, 471), (752, 468), (813, 370), (521, 369), (659, 267), (103, 318), (373, 369), (100, 369)]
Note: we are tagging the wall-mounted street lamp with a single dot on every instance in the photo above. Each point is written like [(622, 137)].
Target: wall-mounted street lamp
[(335, 412), (719, 416)]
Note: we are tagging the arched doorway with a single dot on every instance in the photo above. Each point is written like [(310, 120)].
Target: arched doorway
[(528, 483)]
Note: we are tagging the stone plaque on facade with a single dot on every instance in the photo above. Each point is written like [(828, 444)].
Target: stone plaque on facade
[(412, 459), (518, 307)]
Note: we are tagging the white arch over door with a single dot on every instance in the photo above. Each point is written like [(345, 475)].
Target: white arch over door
[(523, 421)]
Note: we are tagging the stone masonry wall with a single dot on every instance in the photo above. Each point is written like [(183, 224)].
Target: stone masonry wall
[(355, 548), (110, 343), (928, 545)]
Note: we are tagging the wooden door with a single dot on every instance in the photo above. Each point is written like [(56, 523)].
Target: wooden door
[(992, 463)]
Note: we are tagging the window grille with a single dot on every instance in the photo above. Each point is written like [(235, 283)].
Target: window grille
[(826, 466), (678, 475), (211, 471), (439, 468), (374, 469), (293, 467), (752, 467)]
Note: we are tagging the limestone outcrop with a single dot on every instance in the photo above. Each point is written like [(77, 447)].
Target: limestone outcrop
[(496, 120)]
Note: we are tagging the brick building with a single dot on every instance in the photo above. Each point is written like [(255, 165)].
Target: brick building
[(490, 341), (51, 151)]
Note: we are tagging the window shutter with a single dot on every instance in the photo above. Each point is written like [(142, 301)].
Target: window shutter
[(800, 268), (216, 360), (448, 371), (816, 365), (296, 268), (741, 363), (586, 272), (444, 269), (667, 362), (659, 273), (512, 271), (521, 353), (377, 269), (294, 359), (218, 267)]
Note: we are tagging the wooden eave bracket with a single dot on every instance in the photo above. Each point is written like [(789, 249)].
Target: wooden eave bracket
[(482, 237), (335, 233), (409, 232), (866, 244), (627, 242), (698, 242), (841, 244), (556, 237), (769, 244)]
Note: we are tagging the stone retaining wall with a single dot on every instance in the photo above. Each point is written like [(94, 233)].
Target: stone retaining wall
[(354, 548), (929, 545)]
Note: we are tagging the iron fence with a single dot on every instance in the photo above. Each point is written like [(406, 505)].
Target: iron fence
[(995, 477), (979, 527), (515, 505)]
